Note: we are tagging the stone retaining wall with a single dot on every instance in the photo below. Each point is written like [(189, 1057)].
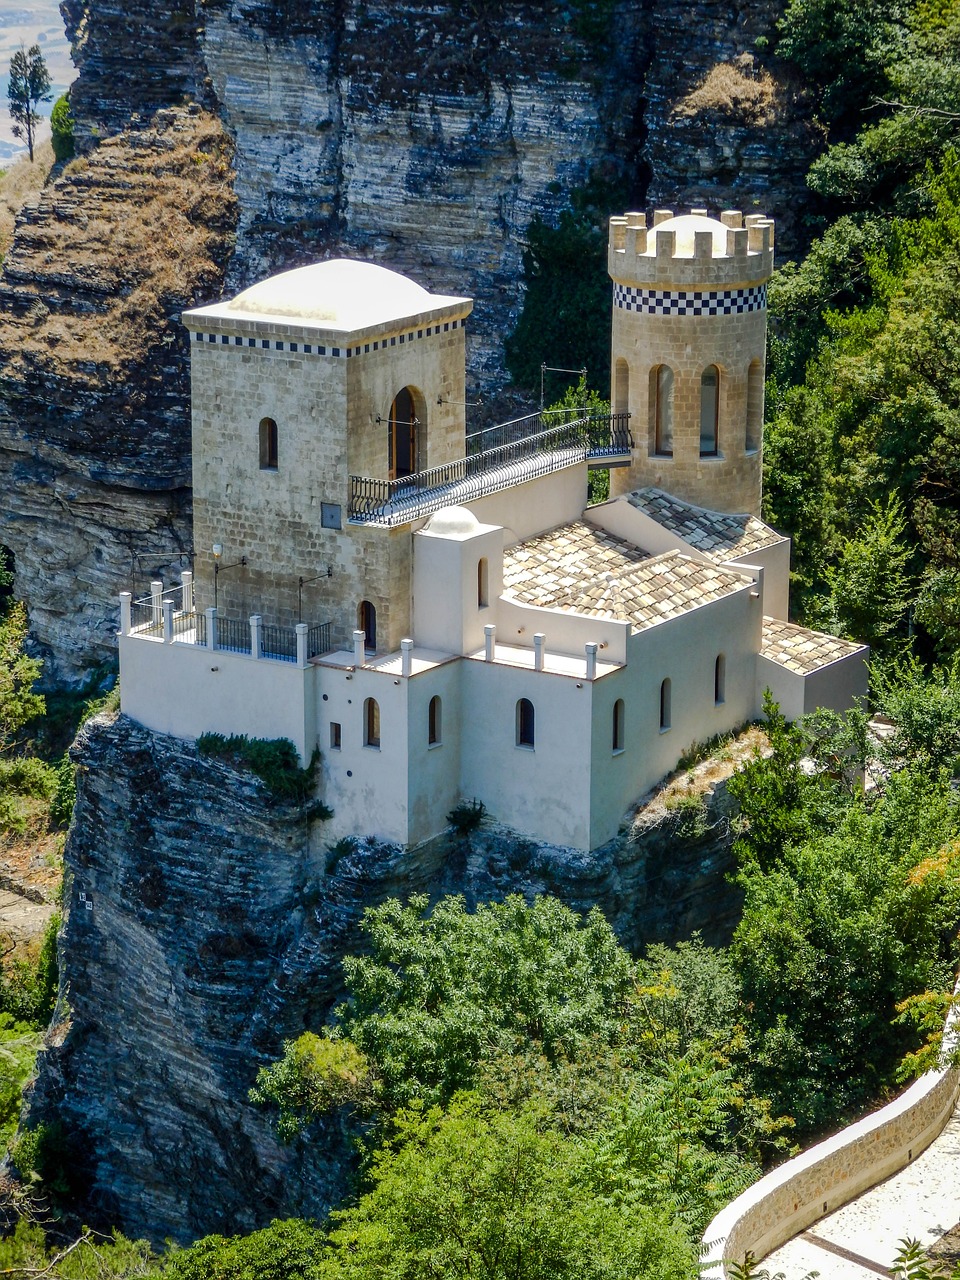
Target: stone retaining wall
[(834, 1172)]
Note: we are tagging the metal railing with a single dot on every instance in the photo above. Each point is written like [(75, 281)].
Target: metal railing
[(496, 459), (233, 635), (318, 640), (278, 642)]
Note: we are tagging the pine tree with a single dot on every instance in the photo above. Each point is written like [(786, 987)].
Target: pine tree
[(29, 86)]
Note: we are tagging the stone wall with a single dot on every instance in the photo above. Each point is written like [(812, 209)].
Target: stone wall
[(832, 1173)]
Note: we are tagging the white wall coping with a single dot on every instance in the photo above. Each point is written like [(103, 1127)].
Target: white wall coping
[(835, 1171)]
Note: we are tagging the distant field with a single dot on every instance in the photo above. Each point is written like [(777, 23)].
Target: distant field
[(37, 23)]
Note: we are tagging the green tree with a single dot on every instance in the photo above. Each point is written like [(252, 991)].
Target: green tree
[(28, 86), (469, 1192), (870, 584), (286, 1250), (61, 128), (18, 675)]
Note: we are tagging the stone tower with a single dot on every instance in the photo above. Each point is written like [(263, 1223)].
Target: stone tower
[(688, 353)]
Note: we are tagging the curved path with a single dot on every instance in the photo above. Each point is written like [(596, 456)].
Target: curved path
[(862, 1239)]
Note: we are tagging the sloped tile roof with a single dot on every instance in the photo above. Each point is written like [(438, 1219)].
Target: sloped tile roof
[(592, 572), (801, 650), (713, 533)]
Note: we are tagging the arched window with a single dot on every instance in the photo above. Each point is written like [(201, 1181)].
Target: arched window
[(665, 706), (483, 583), (754, 406), (661, 409), (371, 723), (367, 623), (709, 411), (720, 679), (618, 724), (525, 723), (434, 721), (621, 387), (404, 436), (268, 444)]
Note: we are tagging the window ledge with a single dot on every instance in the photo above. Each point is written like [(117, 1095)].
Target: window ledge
[(618, 751), (525, 746), (665, 728), (432, 746)]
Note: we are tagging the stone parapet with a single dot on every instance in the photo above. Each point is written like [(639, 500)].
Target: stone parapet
[(832, 1173), (638, 255)]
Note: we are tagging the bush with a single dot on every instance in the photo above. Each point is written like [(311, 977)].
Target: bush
[(289, 1250), (274, 760), (28, 988), (61, 124), (466, 816)]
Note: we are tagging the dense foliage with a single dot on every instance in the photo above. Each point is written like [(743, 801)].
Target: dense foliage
[(864, 398)]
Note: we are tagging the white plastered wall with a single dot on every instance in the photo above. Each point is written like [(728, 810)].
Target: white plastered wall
[(186, 690), (446, 611)]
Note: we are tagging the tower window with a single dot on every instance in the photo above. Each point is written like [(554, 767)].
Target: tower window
[(268, 444), (371, 723), (618, 724), (661, 401), (367, 623), (403, 444), (434, 721), (621, 387), (754, 406), (525, 723), (709, 411), (483, 583), (665, 706), (719, 679)]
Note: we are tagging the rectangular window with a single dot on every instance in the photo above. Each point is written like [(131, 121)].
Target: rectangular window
[(334, 736)]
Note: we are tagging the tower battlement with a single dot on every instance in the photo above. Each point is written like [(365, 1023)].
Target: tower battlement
[(692, 251)]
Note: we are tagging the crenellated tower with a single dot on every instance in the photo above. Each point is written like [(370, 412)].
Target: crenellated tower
[(689, 351)]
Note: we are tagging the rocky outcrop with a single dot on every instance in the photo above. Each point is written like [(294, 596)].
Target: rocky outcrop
[(205, 924), (94, 376)]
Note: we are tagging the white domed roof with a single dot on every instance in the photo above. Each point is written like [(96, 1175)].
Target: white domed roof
[(452, 522), (684, 227), (338, 294)]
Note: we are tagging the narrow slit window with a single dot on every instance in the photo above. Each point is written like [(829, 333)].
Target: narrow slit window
[(334, 736), (618, 724), (663, 409), (434, 721), (483, 583), (720, 679), (664, 706), (525, 723), (268, 444), (754, 406), (621, 379), (709, 411), (371, 723)]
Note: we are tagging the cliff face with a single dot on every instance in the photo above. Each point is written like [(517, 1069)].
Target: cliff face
[(422, 133), (205, 925)]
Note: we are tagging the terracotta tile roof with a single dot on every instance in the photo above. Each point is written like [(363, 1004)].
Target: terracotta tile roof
[(713, 533), (800, 650), (589, 571), (547, 569)]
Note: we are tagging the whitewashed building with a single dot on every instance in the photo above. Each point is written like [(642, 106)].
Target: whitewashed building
[(442, 614)]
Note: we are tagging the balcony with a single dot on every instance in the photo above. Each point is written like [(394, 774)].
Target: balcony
[(170, 616), (497, 458)]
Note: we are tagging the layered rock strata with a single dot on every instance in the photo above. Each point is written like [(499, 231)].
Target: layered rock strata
[(206, 924)]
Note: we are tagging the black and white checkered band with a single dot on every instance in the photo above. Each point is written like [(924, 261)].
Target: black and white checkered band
[(667, 302), (316, 349)]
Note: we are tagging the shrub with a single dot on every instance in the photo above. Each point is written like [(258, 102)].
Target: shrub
[(61, 125), (466, 816), (274, 760)]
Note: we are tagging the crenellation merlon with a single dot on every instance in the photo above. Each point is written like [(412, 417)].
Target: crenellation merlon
[(691, 252)]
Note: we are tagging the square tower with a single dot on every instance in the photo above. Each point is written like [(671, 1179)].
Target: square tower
[(315, 375)]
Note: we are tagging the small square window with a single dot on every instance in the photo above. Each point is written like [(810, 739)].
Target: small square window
[(330, 515)]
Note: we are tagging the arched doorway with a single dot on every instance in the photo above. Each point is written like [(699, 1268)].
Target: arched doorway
[(404, 433)]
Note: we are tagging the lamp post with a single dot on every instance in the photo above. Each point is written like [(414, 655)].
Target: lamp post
[(218, 569), (328, 573)]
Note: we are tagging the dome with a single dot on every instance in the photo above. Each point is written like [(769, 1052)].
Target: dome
[(684, 227), (338, 294), (452, 522)]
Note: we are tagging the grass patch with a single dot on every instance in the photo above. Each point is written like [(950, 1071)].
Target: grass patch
[(17, 184)]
